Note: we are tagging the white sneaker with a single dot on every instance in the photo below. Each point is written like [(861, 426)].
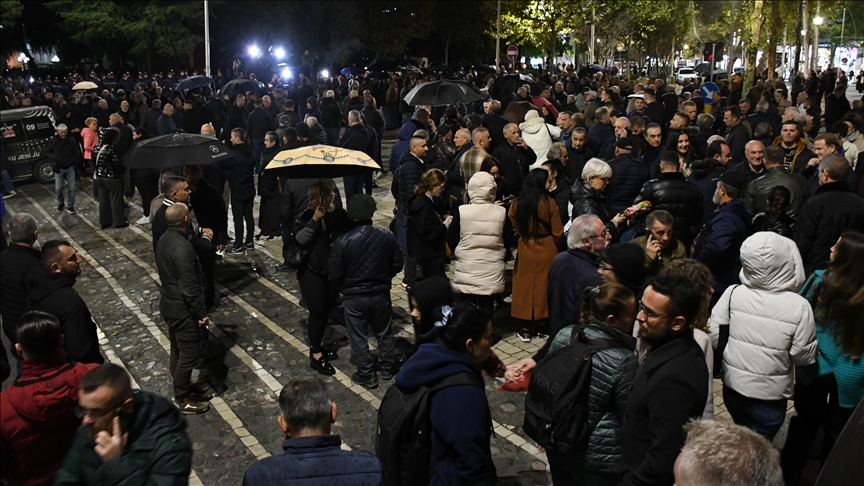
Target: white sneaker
[(143, 220)]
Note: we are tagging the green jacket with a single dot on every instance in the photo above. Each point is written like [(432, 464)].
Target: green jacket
[(674, 251), (158, 452)]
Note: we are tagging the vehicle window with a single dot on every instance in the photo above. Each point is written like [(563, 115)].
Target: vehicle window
[(12, 131), (38, 127)]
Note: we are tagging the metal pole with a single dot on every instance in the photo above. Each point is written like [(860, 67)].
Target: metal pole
[(843, 27), (206, 39), (498, 41), (806, 29), (593, 40), (815, 58), (713, 60)]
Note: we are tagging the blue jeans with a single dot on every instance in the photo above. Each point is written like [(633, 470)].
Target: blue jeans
[(332, 135), (353, 185), (765, 417), (7, 182), (69, 176)]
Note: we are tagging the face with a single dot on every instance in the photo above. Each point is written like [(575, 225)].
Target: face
[(789, 134), (69, 264), (719, 192), (577, 141), (690, 111), (563, 121), (416, 316), (622, 126), (821, 149), (625, 320), (437, 190), (62, 133), (420, 149), (495, 172), (99, 408), (599, 183), (124, 105), (461, 138), (241, 100), (655, 325), (754, 153), (266, 101), (654, 136), (683, 143), (180, 193), (512, 135), (481, 349), (834, 250), (607, 273), (269, 143), (640, 104), (729, 120), (550, 178)]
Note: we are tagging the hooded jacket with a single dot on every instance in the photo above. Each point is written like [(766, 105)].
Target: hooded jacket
[(38, 422), (239, 169), (427, 233), (430, 293), (612, 372), (460, 417), (400, 147), (480, 251), (157, 453), (108, 163), (53, 293), (539, 135), (771, 327), (719, 242)]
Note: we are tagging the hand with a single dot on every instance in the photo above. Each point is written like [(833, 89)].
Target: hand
[(515, 372), (539, 447), (207, 232), (108, 445), (319, 213), (652, 248), (618, 219), (448, 220), (813, 162), (204, 322), (499, 203), (220, 247)]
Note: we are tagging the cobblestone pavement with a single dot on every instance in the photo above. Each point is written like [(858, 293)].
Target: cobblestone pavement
[(258, 341)]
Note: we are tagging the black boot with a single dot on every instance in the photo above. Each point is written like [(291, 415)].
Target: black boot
[(321, 365)]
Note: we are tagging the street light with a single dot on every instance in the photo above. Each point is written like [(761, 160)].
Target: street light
[(818, 20), (279, 53), (254, 51), (325, 74), (55, 59), (286, 73)]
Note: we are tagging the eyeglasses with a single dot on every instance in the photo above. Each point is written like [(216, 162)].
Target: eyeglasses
[(96, 414), (604, 234), (649, 314)]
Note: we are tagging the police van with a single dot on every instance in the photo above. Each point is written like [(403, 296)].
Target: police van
[(26, 133)]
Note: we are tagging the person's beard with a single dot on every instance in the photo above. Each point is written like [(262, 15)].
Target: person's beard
[(716, 198), (655, 339)]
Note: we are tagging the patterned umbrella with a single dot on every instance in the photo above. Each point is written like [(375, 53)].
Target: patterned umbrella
[(320, 161), (193, 82)]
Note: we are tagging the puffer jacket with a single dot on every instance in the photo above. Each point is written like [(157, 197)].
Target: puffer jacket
[(400, 147), (364, 260), (480, 251), (718, 244), (672, 192), (628, 177), (411, 170), (108, 163), (771, 327), (539, 135), (612, 373), (587, 200)]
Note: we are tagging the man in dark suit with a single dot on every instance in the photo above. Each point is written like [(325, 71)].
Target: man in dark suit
[(671, 386)]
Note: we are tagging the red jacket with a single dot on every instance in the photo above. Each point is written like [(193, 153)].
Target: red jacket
[(37, 419)]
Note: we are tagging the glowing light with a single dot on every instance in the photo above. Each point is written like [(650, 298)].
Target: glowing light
[(818, 20), (325, 74), (254, 51), (279, 53), (55, 59), (286, 73)]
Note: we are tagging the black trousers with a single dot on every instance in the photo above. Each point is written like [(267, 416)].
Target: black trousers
[(208, 269), (241, 208), (147, 183), (112, 211), (183, 336), (320, 297)]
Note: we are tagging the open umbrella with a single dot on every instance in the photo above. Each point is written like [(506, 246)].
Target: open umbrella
[(383, 65), (320, 161), (444, 92), (540, 102), (193, 82), (238, 86), (516, 110), (174, 150), (352, 71), (510, 83), (85, 85)]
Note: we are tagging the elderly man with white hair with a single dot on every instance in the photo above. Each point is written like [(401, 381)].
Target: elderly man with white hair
[(66, 154)]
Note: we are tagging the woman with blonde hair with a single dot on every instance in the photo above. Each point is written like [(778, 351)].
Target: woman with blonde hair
[(427, 228), (90, 134)]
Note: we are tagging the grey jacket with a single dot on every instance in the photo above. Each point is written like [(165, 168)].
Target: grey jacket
[(612, 372), (180, 274), (756, 198)]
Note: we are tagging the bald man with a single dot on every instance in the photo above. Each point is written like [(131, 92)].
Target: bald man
[(753, 165), (181, 304)]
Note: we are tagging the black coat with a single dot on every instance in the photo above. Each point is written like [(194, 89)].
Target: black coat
[(598, 137), (258, 123), (706, 182), (427, 233), (587, 200), (53, 293), (670, 389), (319, 237), (160, 227), (576, 162), (295, 198), (628, 177), (15, 262), (239, 170), (355, 138), (65, 151), (151, 121), (182, 289), (210, 211), (513, 163), (495, 123), (737, 139), (410, 171), (331, 114), (364, 261), (833, 209), (236, 119), (672, 192)]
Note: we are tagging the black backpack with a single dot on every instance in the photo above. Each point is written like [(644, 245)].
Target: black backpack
[(556, 406), (403, 442)]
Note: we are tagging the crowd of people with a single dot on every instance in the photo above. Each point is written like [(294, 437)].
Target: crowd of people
[(670, 238)]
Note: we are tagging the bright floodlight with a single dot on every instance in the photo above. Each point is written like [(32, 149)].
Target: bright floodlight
[(818, 20), (286, 73), (325, 74), (55, 59), (254, 51), (279, 53)]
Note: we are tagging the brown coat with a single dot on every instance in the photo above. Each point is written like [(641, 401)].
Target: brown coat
[(533, 260)]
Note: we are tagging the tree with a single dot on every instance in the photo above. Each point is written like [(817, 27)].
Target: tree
[(10, 12)]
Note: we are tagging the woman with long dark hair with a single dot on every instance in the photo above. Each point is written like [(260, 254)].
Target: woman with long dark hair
[(534, 216), (323, 222), (680, 144), (427, 226), (774, 218), (559, 189), (827, 392)]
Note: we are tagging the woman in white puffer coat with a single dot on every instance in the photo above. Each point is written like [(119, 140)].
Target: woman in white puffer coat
[(771, 328), (539, 135)]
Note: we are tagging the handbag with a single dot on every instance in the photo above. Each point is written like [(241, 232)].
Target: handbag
[(297, 256), (722, 340)]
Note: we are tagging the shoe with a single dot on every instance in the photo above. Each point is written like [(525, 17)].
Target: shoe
[(271, 237), (258, 236), (200, 392), (191, 407), (370, 383), (237, 250), (387, 375), (142, 220), (375, 185), (330, 355), (250, 245), (405, 287), (60, 207), (71, 210), (524, 336), (10, 195), (322, 366)]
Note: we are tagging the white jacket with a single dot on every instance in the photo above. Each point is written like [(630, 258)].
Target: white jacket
[(771, 327), (480, 252), (538, 135)]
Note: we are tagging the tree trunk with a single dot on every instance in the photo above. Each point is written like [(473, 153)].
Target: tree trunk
[(756, 24), (447, 49), (798, 41), (774, 39)]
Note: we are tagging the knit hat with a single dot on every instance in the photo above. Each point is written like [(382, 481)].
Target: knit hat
[(628, 263), (431, 294), (361, 207), (303, 129)]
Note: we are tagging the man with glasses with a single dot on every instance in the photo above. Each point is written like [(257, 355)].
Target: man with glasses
[(141, 434), (671, 386), (34, 440)]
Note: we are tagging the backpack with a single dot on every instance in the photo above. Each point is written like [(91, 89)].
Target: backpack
[(556, 405), (403, 441)]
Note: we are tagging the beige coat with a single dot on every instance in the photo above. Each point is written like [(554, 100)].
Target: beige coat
[(480, 252)]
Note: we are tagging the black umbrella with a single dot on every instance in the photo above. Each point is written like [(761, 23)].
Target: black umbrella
[(510, 83), (238, 86), (383, 65), (444, 92), (440, 68), (193, 82), (174, 150), (352, 70)]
